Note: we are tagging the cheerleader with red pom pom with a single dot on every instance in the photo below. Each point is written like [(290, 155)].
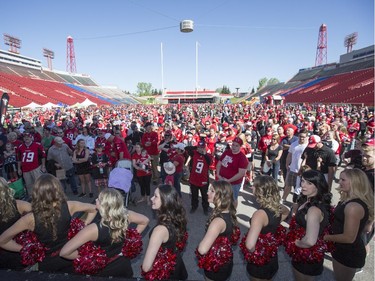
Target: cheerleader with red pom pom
[(10, 211), (304, 242), (163, 259), (50, 221), (99, 249), (214, 253), (265, 235)]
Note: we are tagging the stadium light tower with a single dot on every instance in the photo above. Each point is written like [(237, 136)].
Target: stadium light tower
[(13, 42), (50, 55), (70, 56), (321, 49), (350, 41)]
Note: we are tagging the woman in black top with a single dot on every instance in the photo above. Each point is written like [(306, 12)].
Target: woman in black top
[(353, 212), (273, 154), (50, 220), (264, 224), (108, 233), (313, 218), (169, 231), (221, 224), (10, 211)]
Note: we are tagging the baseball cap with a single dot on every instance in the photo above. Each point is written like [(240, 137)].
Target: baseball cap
[(238, 140), (222, 135), (99, 144), (107, 136), (148, 124), (313, 141), (180, 146)]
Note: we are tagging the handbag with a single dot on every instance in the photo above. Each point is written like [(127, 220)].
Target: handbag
[(266, 168), (61, 174)]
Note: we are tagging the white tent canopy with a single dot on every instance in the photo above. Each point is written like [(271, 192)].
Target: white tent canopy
[(87, 102), (32, 105), (50, 105)]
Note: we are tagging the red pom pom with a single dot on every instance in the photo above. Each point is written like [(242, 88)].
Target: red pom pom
[(164, 264), (313, 254), (180, 245), (32, 250), (265, 248), (76, 225), (235, 237), (132, 243), (91, 260), (219, 255)]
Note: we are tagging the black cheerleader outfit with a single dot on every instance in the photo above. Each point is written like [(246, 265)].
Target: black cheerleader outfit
[(8, 259), (268, 270), (349, 254), (179, 272), (226, 270), (53, 262), (118, 266), (313, 268)]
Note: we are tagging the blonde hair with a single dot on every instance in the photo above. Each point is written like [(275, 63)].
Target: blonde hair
[(7, 207), (360, 187), (113, 213), (267, 193)]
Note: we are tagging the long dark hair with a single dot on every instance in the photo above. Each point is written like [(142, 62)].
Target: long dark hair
[(171, 211), (323, 196)]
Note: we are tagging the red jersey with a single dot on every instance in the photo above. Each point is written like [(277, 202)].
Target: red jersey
[(71, 133), (152, 140), (30, 156), (231, 163), (199, 175)]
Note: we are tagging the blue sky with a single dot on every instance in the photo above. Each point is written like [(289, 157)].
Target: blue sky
[(240, 41)]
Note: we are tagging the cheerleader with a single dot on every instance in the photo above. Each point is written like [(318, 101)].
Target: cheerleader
[(109, 234), (163, 260), (10, 211), (50, 221), (353, 216), (261, 243), (219, 229), (304, 242)]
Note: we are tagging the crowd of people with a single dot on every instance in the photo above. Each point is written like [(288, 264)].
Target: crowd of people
[(209, 147)]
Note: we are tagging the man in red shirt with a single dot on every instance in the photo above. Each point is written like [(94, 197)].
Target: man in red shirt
[(149, 141), (117, 148), (353, 129), (31, 159), (232, 167), (199, 175)]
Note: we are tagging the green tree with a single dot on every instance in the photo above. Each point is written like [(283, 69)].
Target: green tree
[(273, 81), (265, 82), (223, 90), (262, 82), (144, 89)]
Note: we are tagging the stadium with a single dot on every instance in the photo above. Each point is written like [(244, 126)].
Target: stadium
[(30, 85)]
